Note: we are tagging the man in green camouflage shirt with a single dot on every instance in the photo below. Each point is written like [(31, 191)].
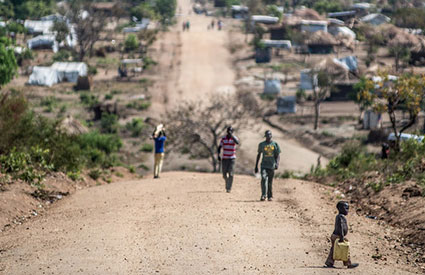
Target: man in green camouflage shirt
[(270, 162)]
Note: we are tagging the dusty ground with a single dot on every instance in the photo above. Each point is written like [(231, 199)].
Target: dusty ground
[(184, 223)]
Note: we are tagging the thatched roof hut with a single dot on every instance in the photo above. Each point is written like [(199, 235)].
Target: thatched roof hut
[(308, 14), (398, 37), (72, 126), (321, 38)]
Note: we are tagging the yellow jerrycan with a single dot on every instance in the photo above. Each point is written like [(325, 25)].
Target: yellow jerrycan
[(341, 251)]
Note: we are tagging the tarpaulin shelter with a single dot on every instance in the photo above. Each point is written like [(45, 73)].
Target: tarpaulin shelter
[(43, 76), (38, 26), (280, 44), (286, 104), (47, 41), (70, 71)]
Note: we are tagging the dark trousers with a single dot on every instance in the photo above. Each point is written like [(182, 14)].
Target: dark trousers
[(227, 167), (267, 182), (330, 260)]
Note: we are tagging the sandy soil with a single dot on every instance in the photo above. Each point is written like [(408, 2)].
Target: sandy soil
[(184, 223)]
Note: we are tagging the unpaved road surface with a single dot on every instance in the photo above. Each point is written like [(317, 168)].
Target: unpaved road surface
[(184, 223)]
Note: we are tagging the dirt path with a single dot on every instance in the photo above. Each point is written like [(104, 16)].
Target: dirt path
[(184, 223)]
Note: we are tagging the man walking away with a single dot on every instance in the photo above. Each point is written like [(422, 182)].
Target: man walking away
[(159, 137), (228, 143), (270, 162)]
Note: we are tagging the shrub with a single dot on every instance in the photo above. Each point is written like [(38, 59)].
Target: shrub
[(131, 43), (49, 102), (147, 147), (109, 123), (95, 174), (135, 127), (88, 99), (62, 56), (139, 104)]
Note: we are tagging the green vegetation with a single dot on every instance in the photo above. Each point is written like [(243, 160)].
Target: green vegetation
[(131, 43), (32, 146), (147, 147), (8, 65), (354, 163), (109, 123), (135, 127), (139, 105)]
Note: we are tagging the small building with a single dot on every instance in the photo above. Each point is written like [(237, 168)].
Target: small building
[(36, 27), (371, 120), (321, 42), (43, 76), (263, 55), (278, 44), (286, 105), (47, 41), (272, 86), (314, 26), (306, 82), (219, 3), (342, 31), (375, 19), (70, 71), (239, 12), (264, 19), (343, 15), (106, 8), (141, 25), (58, 72)]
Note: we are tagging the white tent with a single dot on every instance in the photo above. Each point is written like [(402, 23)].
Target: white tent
[(43, 41), (286, 104), (38, 26), (306, 80), (282, 44), (2, 24), (142, 25), (70, 71), (44, 76), (314, 25), (375, 19), (264, 19), (342, 30)]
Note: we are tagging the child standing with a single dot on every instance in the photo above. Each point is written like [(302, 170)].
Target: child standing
[(340, 231)]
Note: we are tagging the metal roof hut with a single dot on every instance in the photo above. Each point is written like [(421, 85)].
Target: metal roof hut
[(321, 42)]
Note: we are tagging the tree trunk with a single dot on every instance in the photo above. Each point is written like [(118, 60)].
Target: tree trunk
[(316, 114)]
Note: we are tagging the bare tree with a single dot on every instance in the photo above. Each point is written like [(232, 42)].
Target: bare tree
[(89, 23), (195, 127), (322, 83)]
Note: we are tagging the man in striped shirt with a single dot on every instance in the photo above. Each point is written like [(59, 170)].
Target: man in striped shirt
[(228, 143)]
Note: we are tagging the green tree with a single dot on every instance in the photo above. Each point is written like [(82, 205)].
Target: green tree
[(407, 92), (61, 29), (131, 43), (8, 65), (166, 9), (144, 10), (325, 6)]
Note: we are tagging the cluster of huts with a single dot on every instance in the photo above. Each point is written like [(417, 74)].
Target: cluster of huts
[(40, 35), (321, 36)]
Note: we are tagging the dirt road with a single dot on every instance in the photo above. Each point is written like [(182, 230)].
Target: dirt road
[(185, 223)]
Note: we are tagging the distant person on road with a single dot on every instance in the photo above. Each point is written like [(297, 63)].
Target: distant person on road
[(270, 162), (184, 26), (228, 143), (187, 25), (212, 24), (219, 25), (340, 231), (159, 137)]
